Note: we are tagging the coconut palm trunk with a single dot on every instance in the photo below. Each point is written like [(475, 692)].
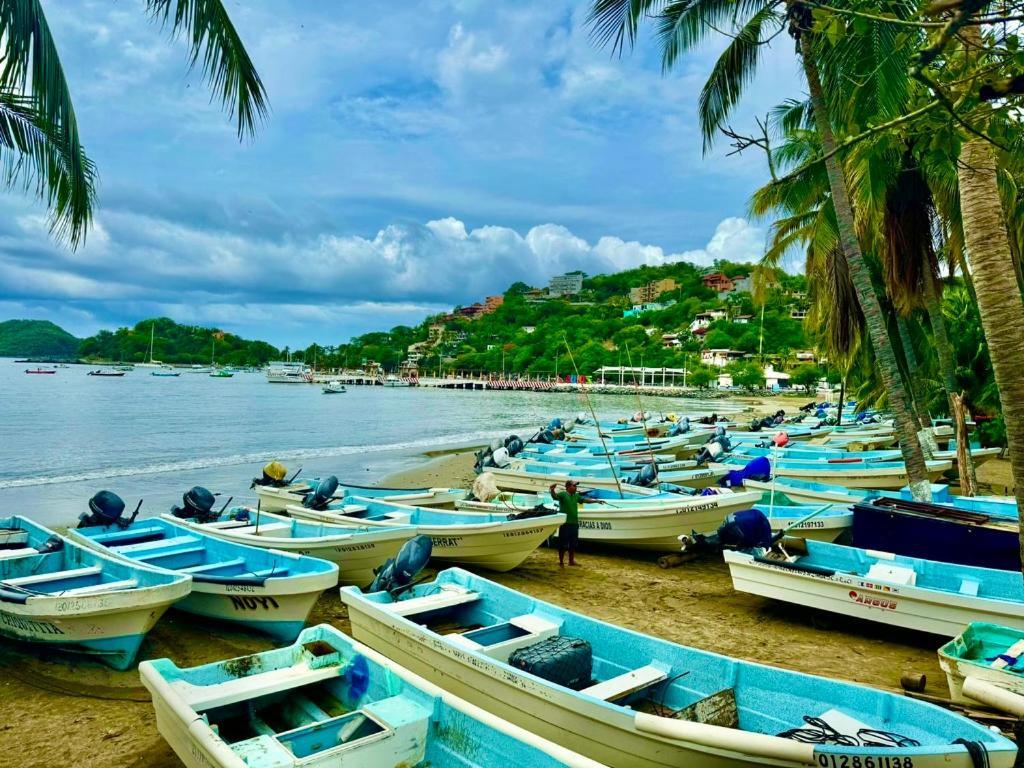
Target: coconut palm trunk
[(998, 293), (912, 379), (860, 275)]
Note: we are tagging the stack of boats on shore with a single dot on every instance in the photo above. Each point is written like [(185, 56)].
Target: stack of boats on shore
[(461, 671)]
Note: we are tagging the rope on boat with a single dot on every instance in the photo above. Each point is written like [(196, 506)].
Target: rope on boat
[(821, 732), (977, 752)]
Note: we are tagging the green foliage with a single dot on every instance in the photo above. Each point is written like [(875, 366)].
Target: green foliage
[(807, 376), (36, 338), (174, 343), (746, 375), (701, 377)]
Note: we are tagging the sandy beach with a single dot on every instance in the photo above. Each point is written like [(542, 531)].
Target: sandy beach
[(61, 713)]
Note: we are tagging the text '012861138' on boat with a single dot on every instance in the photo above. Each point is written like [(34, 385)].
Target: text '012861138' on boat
[(627, 699)]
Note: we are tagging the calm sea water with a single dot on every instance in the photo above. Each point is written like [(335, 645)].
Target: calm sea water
[(64, 437)]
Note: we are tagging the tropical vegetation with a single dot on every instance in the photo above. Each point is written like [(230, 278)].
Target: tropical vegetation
[(36, 338)]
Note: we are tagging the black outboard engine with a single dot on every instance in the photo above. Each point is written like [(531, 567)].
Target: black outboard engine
[(52, 544), (646, 477), (397, 574), (713, 448), (322, 495), (513, 444), (744, 530), (196, 504), (107, 508)]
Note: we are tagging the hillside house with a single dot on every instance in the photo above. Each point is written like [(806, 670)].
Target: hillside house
[(703, 319), (720, 357), (717, 282), (645, 294)]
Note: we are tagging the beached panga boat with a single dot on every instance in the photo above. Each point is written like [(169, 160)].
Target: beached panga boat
[(805, 492), (495, 542), (924, 595), (356, 551), (528, 476), (809, 452), (329, 702), (627, 699), (262, 589), (987, 652), (850, 474), (57, 594), (277, 498)]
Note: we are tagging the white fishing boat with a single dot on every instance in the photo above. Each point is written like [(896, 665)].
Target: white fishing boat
[(987, 652), (329, 702), (393, 381), (282, 372), (494, 542), (522, 475), (924, 595), (275, 498), (356, 551), (630, 700), (333, 388), (849, 474), (57, 595)]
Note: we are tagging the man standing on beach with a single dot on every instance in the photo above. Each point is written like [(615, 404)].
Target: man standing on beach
[(569, 532)]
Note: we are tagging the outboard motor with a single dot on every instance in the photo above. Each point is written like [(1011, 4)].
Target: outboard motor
[(197, 503), (713, 448), (397, 573), (322, 495), (681, 427), (646, 477), (513, 444), (52, 544), (555, 423), (546, 437), (107, 508), (744, 530), (756, 469), (274, 476), (500, 458)]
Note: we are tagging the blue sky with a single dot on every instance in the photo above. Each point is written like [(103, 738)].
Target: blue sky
[(419, 154)]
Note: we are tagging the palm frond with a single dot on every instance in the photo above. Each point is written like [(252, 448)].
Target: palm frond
[(226, 65), (35, 154), (616, 22), (907, 227), (732, 72), (791, 115), (31, 68)]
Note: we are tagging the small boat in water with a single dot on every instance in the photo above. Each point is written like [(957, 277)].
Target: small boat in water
[(329, 702), (497, 542), (357, 551), (271, 592), (626, 699), (57, 594), (393, 381), (104, 372), (41, 370), (221, 373), (333, 388), (924, 595), (165, 373)]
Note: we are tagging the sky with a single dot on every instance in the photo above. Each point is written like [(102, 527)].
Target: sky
[(419, 154)]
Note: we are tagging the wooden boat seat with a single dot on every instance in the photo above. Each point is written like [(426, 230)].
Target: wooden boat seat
[(10, 554), (623, 685), (265, 528), (1013, 652), (42, 578), (449, 596), (206, 697), (969, 587), (223, 525), (499, 640), (208, 567), (95, 589), (154, 556), (129, 549)]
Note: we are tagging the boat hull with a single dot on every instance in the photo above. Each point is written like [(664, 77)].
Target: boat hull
[(866, 477), (493, 546), (968, 655), (941, 613)]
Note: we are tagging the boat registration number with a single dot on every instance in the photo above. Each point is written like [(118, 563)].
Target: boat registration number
[(856, 761)]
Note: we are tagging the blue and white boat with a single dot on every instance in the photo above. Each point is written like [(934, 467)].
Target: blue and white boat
[(991, 654), (266, 590), (807, 492), (358, 552), (329, 702), (626, 699), (850, 474), (923, 595), (275, 498), (807, 452), (58, 595), (523, 475), (497, 542)]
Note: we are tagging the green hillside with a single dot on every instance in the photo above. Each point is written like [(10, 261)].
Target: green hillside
[(36, 338), (176, 344), (531, 332)]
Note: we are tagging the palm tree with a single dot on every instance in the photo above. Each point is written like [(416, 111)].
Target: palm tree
[(681, 25), (40, 146)]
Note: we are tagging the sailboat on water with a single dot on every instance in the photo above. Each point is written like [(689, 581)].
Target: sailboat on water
[(215, 372), (150, 362)]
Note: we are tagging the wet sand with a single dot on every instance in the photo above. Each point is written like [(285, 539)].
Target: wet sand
[(64, 712)]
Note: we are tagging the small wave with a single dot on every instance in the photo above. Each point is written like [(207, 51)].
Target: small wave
[(247, 458)]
